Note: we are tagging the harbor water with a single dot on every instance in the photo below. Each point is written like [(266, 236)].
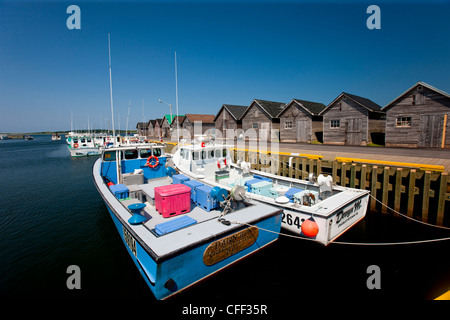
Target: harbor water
[(52, 217)]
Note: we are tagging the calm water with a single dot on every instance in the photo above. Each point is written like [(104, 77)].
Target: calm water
[(51, 217)]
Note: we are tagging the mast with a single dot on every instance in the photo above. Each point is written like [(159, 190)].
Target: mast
[(110, 89), (176, 99)]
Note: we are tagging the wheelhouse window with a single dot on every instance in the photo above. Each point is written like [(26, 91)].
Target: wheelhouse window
[(224, 153), (288, 125), (157, 152), (109, 156), (195, 155), (130, 154), (211, 154), (218, 151), (403, 122), (334, 124), (145, 153), (203, 154)]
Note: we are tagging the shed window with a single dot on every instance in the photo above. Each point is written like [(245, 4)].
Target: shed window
[(255, 125), (403, 122), (335, 124), (288, 125)]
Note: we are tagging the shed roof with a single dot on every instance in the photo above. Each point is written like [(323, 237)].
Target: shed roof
[(272, 108), (419, 83), (313, 108), (363, 102), (204, 118), (141, 125), (235, 111)]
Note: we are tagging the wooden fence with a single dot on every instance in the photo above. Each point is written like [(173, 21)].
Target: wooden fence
[(420, 194)]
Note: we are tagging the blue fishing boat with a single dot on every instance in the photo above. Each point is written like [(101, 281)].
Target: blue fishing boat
[(177, 230)]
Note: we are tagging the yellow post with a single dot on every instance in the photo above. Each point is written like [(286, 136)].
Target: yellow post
[(443, 131)]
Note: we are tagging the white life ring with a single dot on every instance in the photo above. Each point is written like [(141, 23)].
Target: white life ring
[(222, 163)]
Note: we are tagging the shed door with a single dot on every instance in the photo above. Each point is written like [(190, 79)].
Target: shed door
[(431, 127), (353, 134), (303, 131), (264, 131)]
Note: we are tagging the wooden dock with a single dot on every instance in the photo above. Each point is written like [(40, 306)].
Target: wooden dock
[(420, 191)]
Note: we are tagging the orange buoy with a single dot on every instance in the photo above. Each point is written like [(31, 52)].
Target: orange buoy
[(310, 228)]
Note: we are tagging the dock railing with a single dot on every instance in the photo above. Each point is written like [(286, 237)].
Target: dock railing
[(419, 191)]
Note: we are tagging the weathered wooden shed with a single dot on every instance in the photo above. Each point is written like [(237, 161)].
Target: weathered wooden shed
[(300, 121), (261, 119), (141, 128), (176, 124), (165, 126), (229, 118), (157, 128), (151, 128), (419, 118), (353, 120), (205, 121)]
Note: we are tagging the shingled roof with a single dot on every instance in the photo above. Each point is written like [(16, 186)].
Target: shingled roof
[(235, 111), (272, 108), (313, 108), (363, 102), (204, 118)]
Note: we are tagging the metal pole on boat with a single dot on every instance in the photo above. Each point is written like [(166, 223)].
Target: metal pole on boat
[(110, 89), (176, 99)]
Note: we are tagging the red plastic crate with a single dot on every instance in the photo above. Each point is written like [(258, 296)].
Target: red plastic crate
[(172, 200)]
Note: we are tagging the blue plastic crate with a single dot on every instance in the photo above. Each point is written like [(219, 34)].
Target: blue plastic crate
[(248, 184), (120, 191), (290, 193), (204, 199), (262, 178), (179, 178), (193, 184), (262, 188), (174, 225)]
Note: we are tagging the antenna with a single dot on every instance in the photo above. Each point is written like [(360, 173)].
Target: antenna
[(110, 89)]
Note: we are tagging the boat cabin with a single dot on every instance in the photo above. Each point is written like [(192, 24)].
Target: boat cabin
[(203, 158), (141, 162)]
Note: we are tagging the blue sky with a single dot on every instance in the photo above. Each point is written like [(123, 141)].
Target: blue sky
[(227, 52)]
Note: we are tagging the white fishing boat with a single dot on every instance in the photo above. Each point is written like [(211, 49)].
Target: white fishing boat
[(175, 235), (83, 145), (56, 137), (315, 209)]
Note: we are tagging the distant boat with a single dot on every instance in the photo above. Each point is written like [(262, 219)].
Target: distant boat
[(84, 145), (56, 137), (177, 235), (28, 137), (4, 137)]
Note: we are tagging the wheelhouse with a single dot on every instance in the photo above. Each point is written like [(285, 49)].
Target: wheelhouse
[(126, 160)]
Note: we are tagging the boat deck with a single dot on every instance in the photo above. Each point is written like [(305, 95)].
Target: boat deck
[(153, 216), (206, 228)]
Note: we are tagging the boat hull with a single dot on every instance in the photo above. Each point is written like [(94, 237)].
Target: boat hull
[(172, 272), (84, 152), (331, 226), (173, 275)]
